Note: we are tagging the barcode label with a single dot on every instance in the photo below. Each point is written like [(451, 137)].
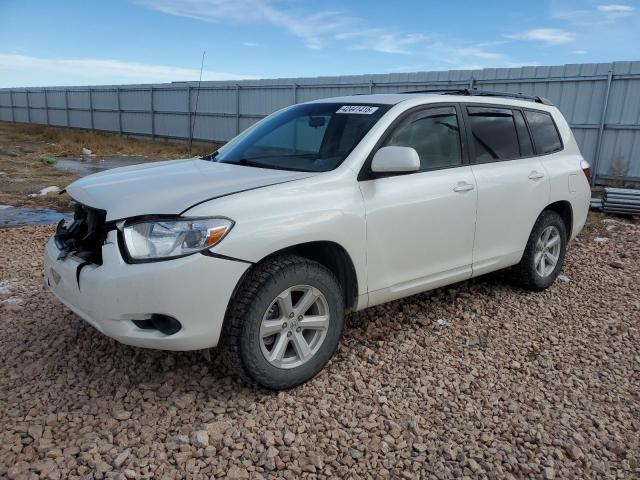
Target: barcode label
[(360, 109)]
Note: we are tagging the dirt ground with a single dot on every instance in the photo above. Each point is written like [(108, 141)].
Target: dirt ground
[(28, 151), (478, 380)]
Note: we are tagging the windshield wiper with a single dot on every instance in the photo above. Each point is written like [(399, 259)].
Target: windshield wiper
[(248, 163), (210, 157)]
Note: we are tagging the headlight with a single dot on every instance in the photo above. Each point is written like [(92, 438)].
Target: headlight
[(164, 239)]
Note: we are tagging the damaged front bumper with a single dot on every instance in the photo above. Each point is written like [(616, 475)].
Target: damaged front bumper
[(118, 298)]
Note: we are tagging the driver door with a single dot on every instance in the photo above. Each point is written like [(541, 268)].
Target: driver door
[(420, 225)]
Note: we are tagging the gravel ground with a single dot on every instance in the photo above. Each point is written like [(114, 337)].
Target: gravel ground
[(481, 380)]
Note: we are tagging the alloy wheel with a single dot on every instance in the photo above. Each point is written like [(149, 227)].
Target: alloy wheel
[(294, 326), (547, 252)]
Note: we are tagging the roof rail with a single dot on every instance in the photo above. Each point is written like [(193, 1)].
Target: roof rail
[(484, 93)]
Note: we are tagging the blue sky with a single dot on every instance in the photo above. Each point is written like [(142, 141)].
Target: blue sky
[(45, 42)]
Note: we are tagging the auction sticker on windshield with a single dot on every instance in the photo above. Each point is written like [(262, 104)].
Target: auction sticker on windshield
[(361, 109)]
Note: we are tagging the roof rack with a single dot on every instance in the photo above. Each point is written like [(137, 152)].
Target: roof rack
[(484, 93)]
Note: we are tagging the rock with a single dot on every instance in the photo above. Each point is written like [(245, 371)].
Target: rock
[(217, 428), (35, 431), (306, 464), (272, 452), (120, 459), (473, 465), (200, 438), (289, 438), (268, 438), (130, 474), (616, 264), (476, 341), (237, 473), (549, 473), (121, 414), (574, 453), (563, 278), (420, 447)]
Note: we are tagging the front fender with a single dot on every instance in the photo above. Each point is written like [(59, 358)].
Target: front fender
[(327, 207)]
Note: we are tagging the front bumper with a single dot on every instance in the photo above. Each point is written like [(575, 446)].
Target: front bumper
[(195, 290)]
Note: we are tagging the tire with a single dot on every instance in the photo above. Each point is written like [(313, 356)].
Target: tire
[(261, 305), (527, 272)]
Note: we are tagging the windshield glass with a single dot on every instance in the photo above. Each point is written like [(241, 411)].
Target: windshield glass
[(313, 137)]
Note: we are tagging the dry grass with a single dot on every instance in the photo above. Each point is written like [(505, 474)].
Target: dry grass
[(27, 166), (70, 142)]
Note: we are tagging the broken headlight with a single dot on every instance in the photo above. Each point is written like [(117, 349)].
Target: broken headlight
[(172, 238)]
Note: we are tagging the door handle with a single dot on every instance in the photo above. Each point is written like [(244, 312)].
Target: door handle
[(535, 175), (463, 187)]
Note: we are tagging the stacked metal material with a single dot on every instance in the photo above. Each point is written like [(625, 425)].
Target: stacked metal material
[(621, 200)]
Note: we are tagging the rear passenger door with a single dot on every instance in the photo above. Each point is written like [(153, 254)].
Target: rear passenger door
[(513, 187)]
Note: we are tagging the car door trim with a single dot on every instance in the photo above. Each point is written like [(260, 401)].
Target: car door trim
[(470, 143)]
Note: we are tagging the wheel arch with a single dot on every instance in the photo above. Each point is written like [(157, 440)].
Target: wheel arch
[(565, 210), (328, 253)]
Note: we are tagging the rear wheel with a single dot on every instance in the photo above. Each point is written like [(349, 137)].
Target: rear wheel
[(544, 255), (285, 322)]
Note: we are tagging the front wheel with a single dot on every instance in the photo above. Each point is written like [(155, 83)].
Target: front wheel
[(544, 255), (285, 322)]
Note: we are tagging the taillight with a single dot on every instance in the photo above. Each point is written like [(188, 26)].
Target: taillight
[(586, 169)]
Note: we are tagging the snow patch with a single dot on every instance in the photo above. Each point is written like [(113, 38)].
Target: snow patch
[(45, 191)]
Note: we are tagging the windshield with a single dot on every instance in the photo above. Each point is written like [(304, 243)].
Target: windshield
[(314, 137)]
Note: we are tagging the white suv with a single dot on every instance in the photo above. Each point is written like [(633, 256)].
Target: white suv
[(320, 209)]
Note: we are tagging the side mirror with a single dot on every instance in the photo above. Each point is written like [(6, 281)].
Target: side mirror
[(395, 160)]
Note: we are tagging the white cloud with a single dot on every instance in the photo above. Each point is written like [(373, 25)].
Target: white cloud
[(601, 14), (616, 8), (549, 36), (315, 28), (23, 70), (579, 52), (250, 44)]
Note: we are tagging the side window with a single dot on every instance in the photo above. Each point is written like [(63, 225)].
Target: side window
[(494, 134), (434, 134), (544, 132), (526, 147)]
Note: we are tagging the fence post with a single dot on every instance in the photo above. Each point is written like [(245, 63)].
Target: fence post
[(66, 105), (237, 108), (46, 105), (13, 114), (370, 87), (294, 87), (472, 81), (119, 110), (91, 106), (28, 106), (603, 116), (189, 114), (153, 120)]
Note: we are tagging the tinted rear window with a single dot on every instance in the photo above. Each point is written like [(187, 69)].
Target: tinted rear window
[(544, 132), (494, 134)]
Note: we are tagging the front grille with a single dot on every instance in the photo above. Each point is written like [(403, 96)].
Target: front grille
[(85, 236)]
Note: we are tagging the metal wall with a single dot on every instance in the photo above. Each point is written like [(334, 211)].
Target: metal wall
[(600, 101)]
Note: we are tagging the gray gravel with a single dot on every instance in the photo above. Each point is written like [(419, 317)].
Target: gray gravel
[(481, 380)]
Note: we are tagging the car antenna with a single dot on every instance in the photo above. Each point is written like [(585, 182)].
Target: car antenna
[(195, 110)]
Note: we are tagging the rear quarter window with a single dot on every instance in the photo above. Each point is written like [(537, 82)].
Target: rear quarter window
[(546, 138)]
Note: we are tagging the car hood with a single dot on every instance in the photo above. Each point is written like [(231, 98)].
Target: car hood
[(170, 187)]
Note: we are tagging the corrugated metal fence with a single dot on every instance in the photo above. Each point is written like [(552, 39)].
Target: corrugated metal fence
[(600, 101)]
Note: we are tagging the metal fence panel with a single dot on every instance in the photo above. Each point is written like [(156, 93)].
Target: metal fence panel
[(601, 102)]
